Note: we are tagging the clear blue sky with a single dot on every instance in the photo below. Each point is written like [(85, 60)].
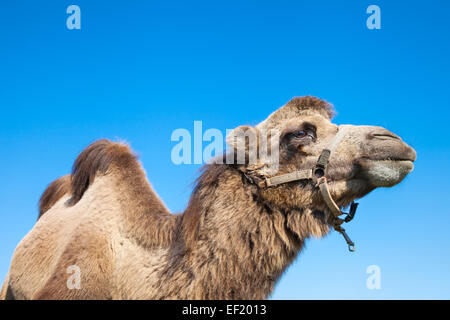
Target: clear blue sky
[(137, 70)]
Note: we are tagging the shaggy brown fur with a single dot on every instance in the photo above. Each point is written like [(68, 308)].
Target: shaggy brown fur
[(96, 159), (55, 191), (234, 239)]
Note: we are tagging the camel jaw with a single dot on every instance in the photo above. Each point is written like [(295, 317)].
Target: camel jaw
[(386, 173)]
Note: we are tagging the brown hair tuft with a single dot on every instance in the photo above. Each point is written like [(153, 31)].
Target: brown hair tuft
[(55, 191), (97, 158)]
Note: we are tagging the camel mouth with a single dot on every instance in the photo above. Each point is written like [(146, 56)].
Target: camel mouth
[(394, 162), (400, 159), (410, 157), (397, 160)]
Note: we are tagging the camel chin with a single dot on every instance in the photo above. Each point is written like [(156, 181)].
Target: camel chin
[(387, 173)]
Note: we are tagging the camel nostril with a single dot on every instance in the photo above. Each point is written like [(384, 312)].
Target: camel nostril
[(385, 135)]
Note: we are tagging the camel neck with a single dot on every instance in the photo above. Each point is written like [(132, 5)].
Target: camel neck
[(235, 241), (228, 244)]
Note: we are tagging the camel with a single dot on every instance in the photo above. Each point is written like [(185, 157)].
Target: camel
[(236, 237)]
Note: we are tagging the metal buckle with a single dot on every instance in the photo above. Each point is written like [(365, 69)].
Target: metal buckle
[(338, 222), (350, 243), (321, 165)]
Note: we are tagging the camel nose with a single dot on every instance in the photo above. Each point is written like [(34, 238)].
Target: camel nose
[(385, 137)]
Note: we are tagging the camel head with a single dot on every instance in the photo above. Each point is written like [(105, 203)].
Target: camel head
[(365, 158)]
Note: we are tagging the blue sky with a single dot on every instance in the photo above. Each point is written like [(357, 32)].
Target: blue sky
[(137, 70)]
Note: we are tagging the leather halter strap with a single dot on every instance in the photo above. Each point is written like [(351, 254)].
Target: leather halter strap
[(318, 175), (289, 177), (318, 170)]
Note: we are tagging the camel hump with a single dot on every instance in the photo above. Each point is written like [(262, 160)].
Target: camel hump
[(55, 191), (96, 159)]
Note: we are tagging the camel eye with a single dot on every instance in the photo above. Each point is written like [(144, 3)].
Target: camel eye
[(299, 134), (303, 135), (309, 133)]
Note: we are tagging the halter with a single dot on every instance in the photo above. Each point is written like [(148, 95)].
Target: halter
[(318, 175)]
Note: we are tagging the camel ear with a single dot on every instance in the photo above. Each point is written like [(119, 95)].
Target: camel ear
[(244, 142)]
